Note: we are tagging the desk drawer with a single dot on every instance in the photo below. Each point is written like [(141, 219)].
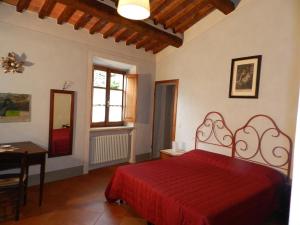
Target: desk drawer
[(35, 159)]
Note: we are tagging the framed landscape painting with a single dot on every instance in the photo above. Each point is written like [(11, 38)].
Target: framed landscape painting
[(245, 75), (14, 107)]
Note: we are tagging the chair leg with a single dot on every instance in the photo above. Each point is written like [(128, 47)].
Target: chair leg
[(25, 192), (18, 202)]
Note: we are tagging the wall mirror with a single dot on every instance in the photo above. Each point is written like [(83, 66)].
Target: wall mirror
[(61, 123)]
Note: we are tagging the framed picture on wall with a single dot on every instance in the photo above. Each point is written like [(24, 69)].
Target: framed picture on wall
[(245, 75), (14, 107)]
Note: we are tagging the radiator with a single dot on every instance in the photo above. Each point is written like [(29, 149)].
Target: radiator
[(109, 148)]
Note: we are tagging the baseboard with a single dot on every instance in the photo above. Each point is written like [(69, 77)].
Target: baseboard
[(107, 164), (144, 157), (77, 171), (56, 175)]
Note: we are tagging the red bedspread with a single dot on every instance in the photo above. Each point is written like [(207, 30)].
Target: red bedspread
[(198, 188)]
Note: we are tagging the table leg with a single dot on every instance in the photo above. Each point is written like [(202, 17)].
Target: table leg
[(26, 185), (42, 178)]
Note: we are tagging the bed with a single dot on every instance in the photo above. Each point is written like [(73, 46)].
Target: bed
[(204, 188)]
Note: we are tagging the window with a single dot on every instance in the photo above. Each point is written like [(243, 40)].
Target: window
[(108, 92)]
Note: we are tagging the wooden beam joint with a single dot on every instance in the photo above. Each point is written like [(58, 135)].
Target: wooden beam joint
[(82, 21), (225, 6), (65, 15), (22, 5), (47, 8), (97, 27)]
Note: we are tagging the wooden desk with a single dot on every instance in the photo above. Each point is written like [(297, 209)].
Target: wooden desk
[(36, 156)]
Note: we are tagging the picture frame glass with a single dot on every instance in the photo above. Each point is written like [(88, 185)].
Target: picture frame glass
[(245, 75), (15, 107)]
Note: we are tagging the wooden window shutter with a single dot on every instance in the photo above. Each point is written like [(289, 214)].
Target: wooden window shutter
[(131, 90)]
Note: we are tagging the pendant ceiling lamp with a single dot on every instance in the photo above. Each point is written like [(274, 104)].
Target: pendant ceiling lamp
[(134, 9)]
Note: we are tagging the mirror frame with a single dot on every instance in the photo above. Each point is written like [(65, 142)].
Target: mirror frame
[(52, 93)]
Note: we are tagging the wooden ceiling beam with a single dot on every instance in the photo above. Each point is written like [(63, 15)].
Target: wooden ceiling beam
[(111, 31), (170, 10), (155, 4), (122, 34), (133, 38), (184, 13), (142, 42), (22, 5), (160, 7), (225, 6), (178, 15), (97, 26), (65, 15), (84, 19), (47, 8), (150, 46), (108, 13), (159, 48), (194, 19)]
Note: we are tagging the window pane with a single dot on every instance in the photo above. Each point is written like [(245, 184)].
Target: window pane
[(116, 98), (99, 78), (116, 81), (99, 97), (98, 114), (115, 113), (98, 105)]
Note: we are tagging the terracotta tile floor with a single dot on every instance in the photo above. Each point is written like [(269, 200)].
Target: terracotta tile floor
[(80, 201)]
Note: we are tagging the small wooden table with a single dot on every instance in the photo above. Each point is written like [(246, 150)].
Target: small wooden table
[(167, 153), (36, 156)]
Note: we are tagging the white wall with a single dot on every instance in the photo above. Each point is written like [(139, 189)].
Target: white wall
[(295, 203), (202, 66), (60, 53)]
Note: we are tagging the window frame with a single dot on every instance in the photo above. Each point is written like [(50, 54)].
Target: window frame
[(108, 71)]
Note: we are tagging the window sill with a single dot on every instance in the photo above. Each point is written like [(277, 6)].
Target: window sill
[(96, 129)]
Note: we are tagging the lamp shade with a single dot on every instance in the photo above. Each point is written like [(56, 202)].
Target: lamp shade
[(134, 9)]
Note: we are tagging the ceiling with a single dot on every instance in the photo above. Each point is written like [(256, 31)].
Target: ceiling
[(166, 26)]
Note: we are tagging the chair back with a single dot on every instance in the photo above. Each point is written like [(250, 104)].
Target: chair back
[(9, 161)]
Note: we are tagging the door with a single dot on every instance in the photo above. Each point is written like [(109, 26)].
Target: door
[(164, 115)]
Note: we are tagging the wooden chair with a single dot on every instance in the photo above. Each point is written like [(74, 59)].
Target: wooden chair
[(14, 177)]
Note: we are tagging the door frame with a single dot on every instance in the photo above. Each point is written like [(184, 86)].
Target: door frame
[(174, 82)]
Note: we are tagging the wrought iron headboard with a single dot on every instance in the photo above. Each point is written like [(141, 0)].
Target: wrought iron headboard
[(281, 154), (214, 131)]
